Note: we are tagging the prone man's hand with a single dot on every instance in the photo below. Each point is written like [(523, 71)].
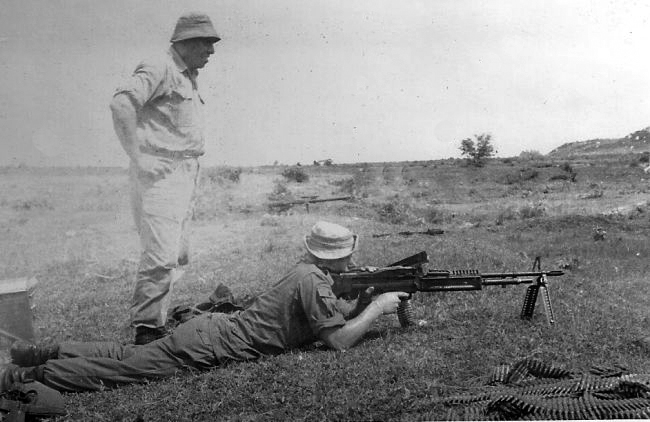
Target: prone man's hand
[(363, 300), (152, 165), (365, 297), (388, 302)]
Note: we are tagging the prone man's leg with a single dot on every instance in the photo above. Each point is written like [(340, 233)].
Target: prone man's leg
[(95, 349), (188, 346)]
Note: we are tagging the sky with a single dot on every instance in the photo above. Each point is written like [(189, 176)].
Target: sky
[(350, 80)]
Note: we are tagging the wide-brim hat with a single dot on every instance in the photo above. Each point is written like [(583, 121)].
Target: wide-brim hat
[(331, 241), (194, 25)]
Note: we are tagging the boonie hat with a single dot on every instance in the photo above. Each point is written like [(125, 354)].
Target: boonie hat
[(194, 25), (331, 241)]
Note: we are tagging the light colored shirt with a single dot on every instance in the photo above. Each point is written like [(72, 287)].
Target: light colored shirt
[(168, 104), (289, 315)]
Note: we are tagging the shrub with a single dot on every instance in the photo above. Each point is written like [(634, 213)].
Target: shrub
[(357, 185), (420, 194), (645, 157), (505, 215), (279, 189), (394, 212), (346, 186), (31, 204), (567, 167), (522, 176), (528, 174), (295, 174), (569, 170), (279, 194), (435, 215), (231, 174), (532, 210), (510, 179), (560, 177), (531, 155), (222, 175), (595, 194)]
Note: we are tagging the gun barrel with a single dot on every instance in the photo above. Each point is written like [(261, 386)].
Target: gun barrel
[(553, 273), (507, 281)]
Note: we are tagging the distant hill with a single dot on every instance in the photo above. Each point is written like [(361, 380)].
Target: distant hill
[(635, 142)]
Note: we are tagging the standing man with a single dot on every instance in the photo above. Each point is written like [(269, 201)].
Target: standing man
[(158, 119)]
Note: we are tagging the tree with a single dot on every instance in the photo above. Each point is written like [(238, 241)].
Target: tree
[(477, 150)]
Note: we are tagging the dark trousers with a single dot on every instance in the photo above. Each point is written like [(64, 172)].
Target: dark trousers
[(93, 366)]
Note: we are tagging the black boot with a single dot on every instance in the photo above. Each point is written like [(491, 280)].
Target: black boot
[(11, 374), (28, 354), (144, 335)]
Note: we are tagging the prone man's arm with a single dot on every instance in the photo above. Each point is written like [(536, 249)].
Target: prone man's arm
[(346, 336)]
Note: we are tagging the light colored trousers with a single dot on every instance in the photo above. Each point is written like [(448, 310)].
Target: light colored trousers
[(162, 208)]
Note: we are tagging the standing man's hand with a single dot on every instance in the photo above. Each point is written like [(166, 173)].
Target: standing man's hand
[(125, 122), (152, 165)]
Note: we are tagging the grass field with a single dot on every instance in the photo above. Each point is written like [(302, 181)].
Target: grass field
[(72, 230)]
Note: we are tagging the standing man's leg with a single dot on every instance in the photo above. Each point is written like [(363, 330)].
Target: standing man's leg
[(162, 208)]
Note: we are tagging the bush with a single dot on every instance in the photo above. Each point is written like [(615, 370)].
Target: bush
[(32, 204), (645, 157), (532, 211), (528, 174), (505, 215), (569, 170), (357, 185), (279, 194), (280, 190), (395, 211), (531, 155), (435, 215), (346, 186), (567, 167), (222, 175), (295, 174), (522, 176), (560, 177), (231, 174)]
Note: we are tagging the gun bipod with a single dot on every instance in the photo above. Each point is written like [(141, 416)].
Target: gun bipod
[(541, 285)]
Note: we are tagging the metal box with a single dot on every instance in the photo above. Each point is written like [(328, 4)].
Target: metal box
[(16, 308)]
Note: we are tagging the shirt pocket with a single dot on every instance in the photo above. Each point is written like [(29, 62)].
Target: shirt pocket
[(181, 107), (325, 293)]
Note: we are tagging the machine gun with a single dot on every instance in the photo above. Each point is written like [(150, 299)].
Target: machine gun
[(409, 275)]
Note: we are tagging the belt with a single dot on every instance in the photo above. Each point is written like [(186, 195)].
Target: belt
[(173, 155)]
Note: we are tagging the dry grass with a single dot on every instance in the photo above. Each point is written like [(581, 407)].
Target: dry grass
[(73, 231)]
